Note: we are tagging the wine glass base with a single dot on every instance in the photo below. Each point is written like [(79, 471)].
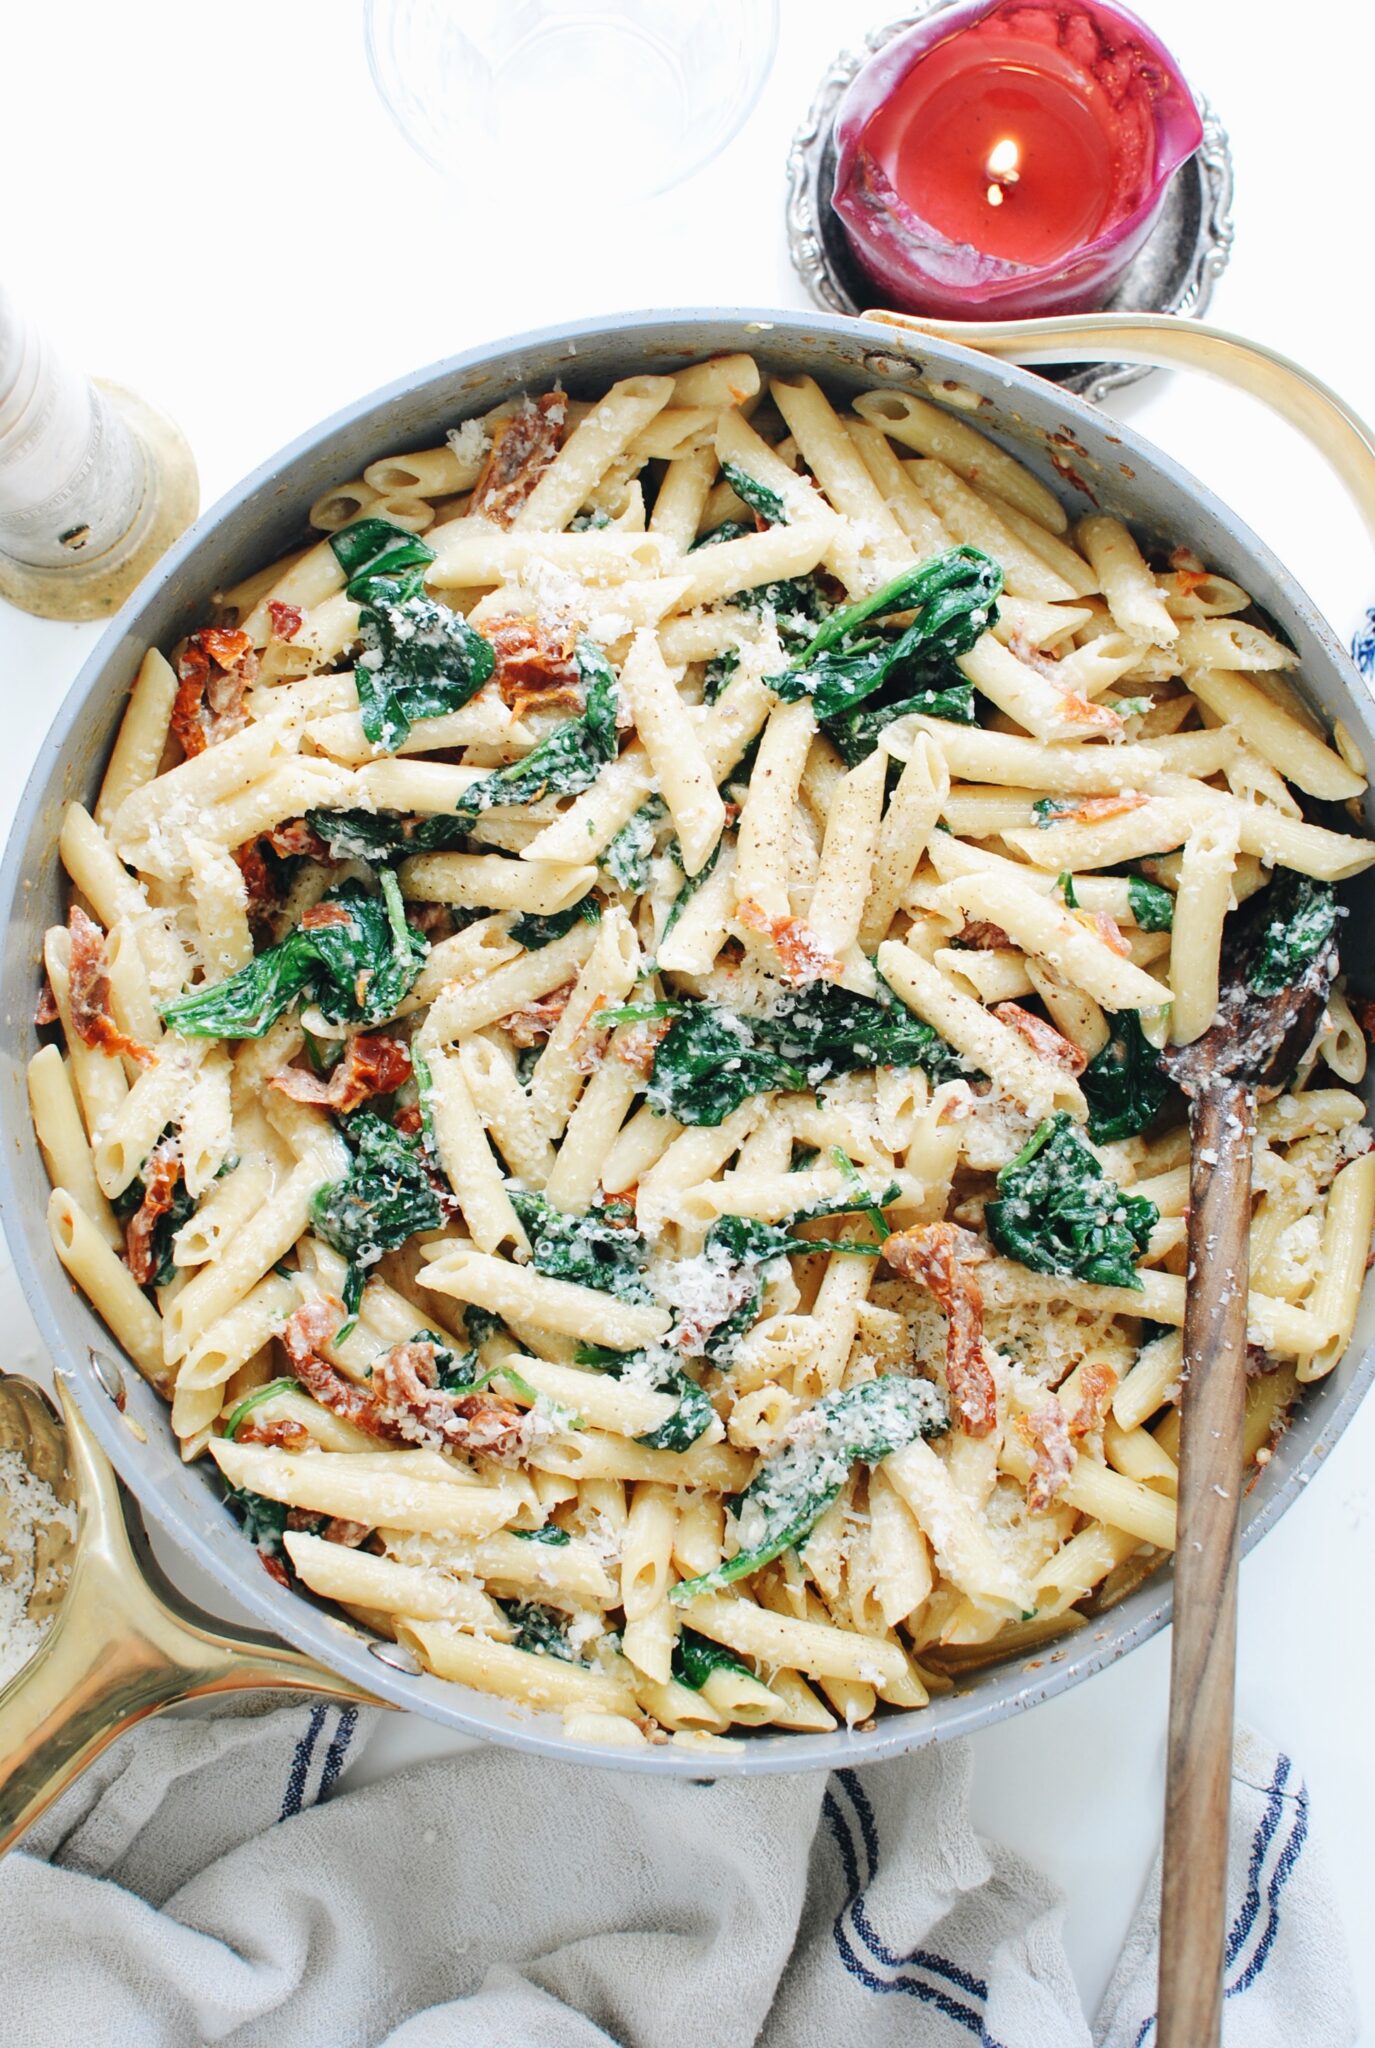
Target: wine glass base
[(1174, 272)]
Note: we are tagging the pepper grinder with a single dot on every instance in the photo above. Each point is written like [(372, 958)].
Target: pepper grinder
[(95, 483)]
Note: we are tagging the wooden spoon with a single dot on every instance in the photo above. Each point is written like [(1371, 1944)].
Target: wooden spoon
[(1246, 1057)]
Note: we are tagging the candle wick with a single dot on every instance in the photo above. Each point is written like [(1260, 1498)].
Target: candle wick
[(1002, 169)]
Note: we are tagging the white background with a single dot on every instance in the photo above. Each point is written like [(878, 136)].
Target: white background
[(208, 202)]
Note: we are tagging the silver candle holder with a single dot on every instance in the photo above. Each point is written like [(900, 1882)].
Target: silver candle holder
[(95, 483), (1174, 272)]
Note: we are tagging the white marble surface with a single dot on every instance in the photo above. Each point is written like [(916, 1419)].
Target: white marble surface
[(210, 204)]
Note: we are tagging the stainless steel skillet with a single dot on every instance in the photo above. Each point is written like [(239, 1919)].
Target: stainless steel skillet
[(1075, 450)]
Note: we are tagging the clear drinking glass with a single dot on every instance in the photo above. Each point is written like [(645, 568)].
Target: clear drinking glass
[(565, 99)]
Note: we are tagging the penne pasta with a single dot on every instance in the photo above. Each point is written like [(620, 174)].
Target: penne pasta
[(608, 1076)]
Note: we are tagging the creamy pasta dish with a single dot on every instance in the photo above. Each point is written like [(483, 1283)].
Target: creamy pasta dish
[(606, 1053)]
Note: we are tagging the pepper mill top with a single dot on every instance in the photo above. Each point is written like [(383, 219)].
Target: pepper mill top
[(95, 484)]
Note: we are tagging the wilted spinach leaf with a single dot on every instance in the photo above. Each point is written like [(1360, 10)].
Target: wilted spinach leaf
[(379, 559), (828, 1030), (718, 673), (793, 1489), (1152, 906), (846, 664), (707, 1064), (569, 760), (419, 660), (385, 1197), (359, 964), (691, 884), (381, 836), (541, 1630), (1302, 918), (695, 1659), (1058, 1212), (761, 500), (255, 1400), (694, 1412), (857, 733), (534, 931), (626, 857), (262, 1521), (1124, 1085), (601, 1248)]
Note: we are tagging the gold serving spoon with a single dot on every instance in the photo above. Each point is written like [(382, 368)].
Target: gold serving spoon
[(121, 1643)]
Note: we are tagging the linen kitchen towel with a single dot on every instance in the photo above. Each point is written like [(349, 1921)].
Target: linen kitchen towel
[(200, 1886)]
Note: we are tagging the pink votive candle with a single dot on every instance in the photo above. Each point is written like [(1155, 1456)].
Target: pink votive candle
[(1010, 157)]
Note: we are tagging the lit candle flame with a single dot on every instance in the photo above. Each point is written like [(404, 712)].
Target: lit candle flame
[(1002, 168)]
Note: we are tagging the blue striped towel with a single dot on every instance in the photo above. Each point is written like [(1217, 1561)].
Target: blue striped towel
[(201, 1886)]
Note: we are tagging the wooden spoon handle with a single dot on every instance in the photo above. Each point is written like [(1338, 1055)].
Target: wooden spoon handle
[(1203, 1652)]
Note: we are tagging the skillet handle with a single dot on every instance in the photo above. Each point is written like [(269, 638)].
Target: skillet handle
[(1166, 342), (117, 1652)]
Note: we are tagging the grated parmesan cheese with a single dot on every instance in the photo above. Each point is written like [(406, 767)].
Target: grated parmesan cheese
[(30, 1507), (469, 442)]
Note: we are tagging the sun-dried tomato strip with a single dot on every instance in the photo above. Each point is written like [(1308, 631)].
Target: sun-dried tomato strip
[(214, 670), (402, 1402), (373, 1063), (321, 915), (286, 619), (417, 1408), (1097, 1383), (261, 887), (1096, 810), (283, 1434), (981, 935), (1107, 929), (943, 1257), (801, 956), (161, 1172), (522, 448), (533, 1022), (690, 1333), (534, 665), (45, 1009), (307, 1329), (89, 992), (226, 646), (635, 1048), (1083, 711), (1045, 1041), (296, 839), (1044, 1428)]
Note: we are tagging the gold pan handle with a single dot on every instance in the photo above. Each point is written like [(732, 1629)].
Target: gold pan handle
[(118, 1650), (1165, 342)]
